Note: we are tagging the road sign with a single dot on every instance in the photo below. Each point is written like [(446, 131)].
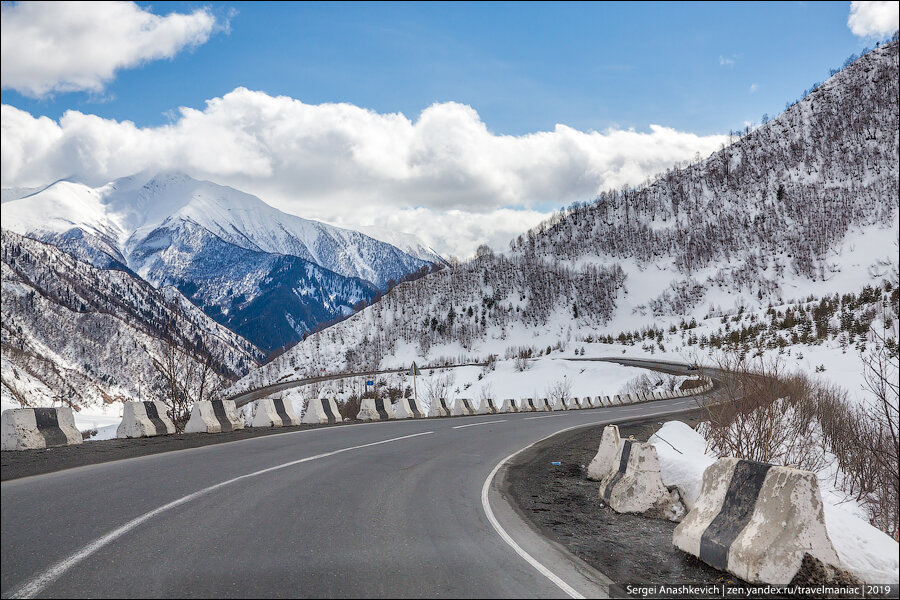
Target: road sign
[(414, 370), (370, 383)]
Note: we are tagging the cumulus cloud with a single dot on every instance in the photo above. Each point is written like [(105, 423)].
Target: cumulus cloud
[(68, 46), (874, 19), (348, 165)]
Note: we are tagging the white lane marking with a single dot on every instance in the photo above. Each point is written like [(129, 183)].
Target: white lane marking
[(477, 424), (42, 580), (544, 417), (485, 503)]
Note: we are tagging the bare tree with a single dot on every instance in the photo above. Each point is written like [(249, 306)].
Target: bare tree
[(560, 390), (186, 370), (882, 369), (487, 392), (437, 386)]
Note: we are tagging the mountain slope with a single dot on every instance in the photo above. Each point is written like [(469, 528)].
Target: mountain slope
[(122, 213), (780, 212), (271, 299), (805, 204), (270, 276), (407, 242), (75, 333)]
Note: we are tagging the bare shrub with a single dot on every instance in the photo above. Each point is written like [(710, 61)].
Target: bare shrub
[(437, 386), (349, 407), (647, 382), (766, 414), (521, 363), (561, 389), (487, 392)]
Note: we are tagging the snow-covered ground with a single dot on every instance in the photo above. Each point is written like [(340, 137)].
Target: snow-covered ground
[(498, 382), (869, 553)]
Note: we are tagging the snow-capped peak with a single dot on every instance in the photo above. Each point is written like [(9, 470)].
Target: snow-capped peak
[(124, 212)]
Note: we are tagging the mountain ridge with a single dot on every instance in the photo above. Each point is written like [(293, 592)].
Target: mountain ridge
[(774, 216)]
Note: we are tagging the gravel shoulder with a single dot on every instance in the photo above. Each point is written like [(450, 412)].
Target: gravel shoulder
[(562, 505)]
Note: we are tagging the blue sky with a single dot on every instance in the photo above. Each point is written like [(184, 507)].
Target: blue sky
[(462, 123), (523, 66)]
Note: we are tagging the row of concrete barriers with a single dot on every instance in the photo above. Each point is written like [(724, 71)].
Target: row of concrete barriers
[(34, 428), (752, 519), (372, 409)]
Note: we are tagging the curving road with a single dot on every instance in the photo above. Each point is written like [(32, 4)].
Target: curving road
[(372, 510)]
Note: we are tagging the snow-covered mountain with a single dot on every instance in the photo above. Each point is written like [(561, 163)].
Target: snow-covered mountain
[(806, 204), (407, 242), (124, 212), (803, 204), (86, 336), (268, 275)]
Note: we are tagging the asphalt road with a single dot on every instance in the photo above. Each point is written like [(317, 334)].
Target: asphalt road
[(376, 510)]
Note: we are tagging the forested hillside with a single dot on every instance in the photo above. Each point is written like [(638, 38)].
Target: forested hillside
[(804, 204), (81, 335)]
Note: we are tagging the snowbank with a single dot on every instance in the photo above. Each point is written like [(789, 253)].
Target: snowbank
[(682, 459), (866, 551)]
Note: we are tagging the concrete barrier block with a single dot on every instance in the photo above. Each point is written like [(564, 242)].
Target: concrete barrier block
[(145, 419), (439, 408), (529, 406), (265, 415), (32, 428), (544, 405), (284, 407), (757, 521), (407, 408), (559, 404), (321, 411), (604, 462), (636, 486), (509, 406), (374, 409), (215, 416), (487, 407), (463, 407)]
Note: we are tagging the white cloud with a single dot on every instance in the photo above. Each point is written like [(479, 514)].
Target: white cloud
[(874, 19), (754, 87), (352, 166), (725, 61), (68, 46)]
